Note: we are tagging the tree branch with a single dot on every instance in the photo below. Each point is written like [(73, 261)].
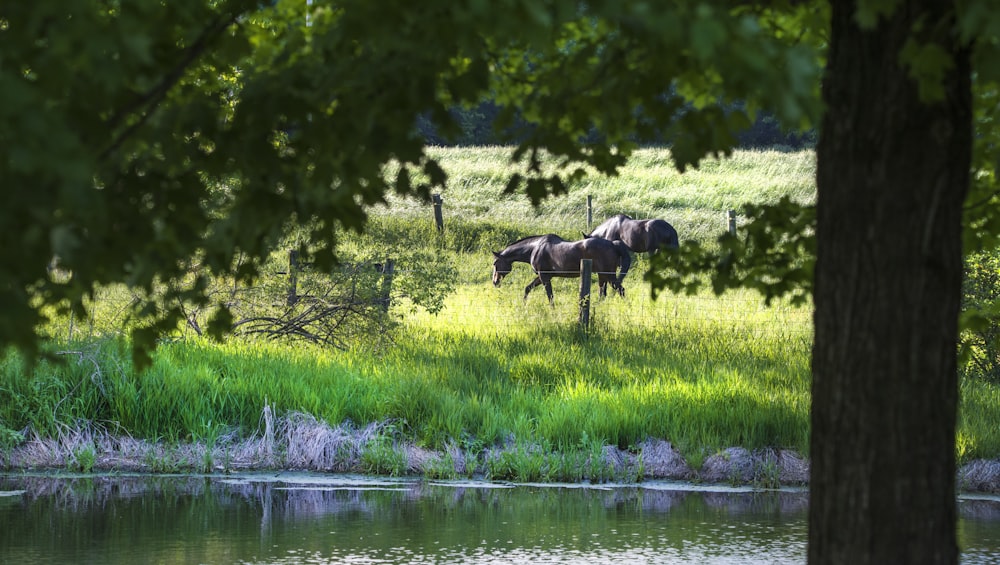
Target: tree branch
[(146, 103)]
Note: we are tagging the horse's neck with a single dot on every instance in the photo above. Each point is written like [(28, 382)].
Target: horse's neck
[(519, 252)]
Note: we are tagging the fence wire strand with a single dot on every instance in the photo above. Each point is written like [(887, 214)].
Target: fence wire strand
[(476, 304)]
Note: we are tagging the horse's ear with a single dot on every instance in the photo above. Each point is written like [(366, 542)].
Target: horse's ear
[(497, 255)]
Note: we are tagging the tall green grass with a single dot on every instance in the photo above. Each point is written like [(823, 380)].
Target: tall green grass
[(702, 372), (537, 380), (648, 186)]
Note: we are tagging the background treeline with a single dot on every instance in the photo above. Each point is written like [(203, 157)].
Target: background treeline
[(477, 128)]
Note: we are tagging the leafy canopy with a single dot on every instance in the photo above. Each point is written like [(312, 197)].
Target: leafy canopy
[(141, 139)]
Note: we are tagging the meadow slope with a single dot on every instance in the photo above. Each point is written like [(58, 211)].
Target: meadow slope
[(699, 387)]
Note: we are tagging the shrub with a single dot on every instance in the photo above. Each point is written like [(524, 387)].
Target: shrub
[(979, 341)]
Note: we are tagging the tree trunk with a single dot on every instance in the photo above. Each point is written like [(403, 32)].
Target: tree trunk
[(892, 176)]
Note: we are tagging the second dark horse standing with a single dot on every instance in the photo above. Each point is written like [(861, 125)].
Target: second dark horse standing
[(551, 256)]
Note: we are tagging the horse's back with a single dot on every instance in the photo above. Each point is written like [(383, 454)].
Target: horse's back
[(590, 246), (633, 233), (611, 228), (648, 235), (562, 258), (556, 256)]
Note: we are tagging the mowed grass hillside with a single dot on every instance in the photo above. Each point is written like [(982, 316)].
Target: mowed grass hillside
[(489, 369), (649, 186)]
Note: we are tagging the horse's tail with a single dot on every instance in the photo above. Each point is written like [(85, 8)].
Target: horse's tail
[(625, 257)]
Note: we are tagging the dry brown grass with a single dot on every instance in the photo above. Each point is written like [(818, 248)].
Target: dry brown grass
[(301, 442)]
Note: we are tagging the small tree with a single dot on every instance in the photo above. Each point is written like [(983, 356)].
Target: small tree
[(357, 302), (980, 340)]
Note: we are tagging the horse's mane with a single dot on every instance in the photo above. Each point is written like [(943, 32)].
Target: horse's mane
[(535, 237)]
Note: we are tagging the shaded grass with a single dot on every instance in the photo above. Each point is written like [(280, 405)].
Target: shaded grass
[(978, 434)]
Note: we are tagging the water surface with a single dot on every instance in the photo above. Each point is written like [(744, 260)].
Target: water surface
[(315, 518)]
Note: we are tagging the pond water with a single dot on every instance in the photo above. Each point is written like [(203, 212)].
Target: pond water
[(290, 518)]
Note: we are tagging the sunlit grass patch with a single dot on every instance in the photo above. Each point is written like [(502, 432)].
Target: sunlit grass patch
[(647, 186)]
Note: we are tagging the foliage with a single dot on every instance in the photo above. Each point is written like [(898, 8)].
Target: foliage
[(224, 122), (980, 340), (381, 457), (476, 125), (9, 438), (348, 305), (775, 256), (84, 458)]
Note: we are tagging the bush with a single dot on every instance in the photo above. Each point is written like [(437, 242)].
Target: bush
[(979, 341)]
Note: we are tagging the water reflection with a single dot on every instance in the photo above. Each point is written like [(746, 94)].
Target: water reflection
[(332, 519)]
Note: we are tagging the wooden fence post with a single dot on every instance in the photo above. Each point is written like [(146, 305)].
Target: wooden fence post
[(586, 269), (438, 216), (590, 212), (732, 221), (388, 268), (293, 277)]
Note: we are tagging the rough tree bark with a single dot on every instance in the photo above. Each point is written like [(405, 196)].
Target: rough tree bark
[(892, 176)]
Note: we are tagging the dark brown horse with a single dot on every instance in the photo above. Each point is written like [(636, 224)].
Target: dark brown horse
[(552, 256), (639, 235)]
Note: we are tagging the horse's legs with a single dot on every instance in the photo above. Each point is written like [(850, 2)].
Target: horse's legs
[(548, 290), (602, 285), (531, 285), (614, 284)]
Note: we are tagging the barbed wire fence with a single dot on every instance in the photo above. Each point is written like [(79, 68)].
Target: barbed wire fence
[(479, 307), (286, 310), (742, 314)]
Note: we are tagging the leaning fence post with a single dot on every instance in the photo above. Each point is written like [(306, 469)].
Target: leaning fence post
[(731, 215), (388, 268), (590, 212), (438, 216), (585, 274), (293, 276)]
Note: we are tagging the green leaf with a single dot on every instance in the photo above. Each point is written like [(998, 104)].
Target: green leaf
[(221, 322), (869, 12), (928, 63), (707, 35)]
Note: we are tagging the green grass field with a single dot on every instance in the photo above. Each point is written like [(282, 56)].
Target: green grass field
[(702, 372)]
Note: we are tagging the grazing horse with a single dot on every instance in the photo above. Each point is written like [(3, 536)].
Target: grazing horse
[(639, 235), (552, 256)]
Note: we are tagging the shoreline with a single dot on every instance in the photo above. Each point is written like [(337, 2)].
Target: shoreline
[(300, 443)]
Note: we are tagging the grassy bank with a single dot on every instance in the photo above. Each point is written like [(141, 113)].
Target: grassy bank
[(512, 389), (485, 374)]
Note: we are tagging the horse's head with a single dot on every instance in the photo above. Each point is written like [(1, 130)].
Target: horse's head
[(501, 268)]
